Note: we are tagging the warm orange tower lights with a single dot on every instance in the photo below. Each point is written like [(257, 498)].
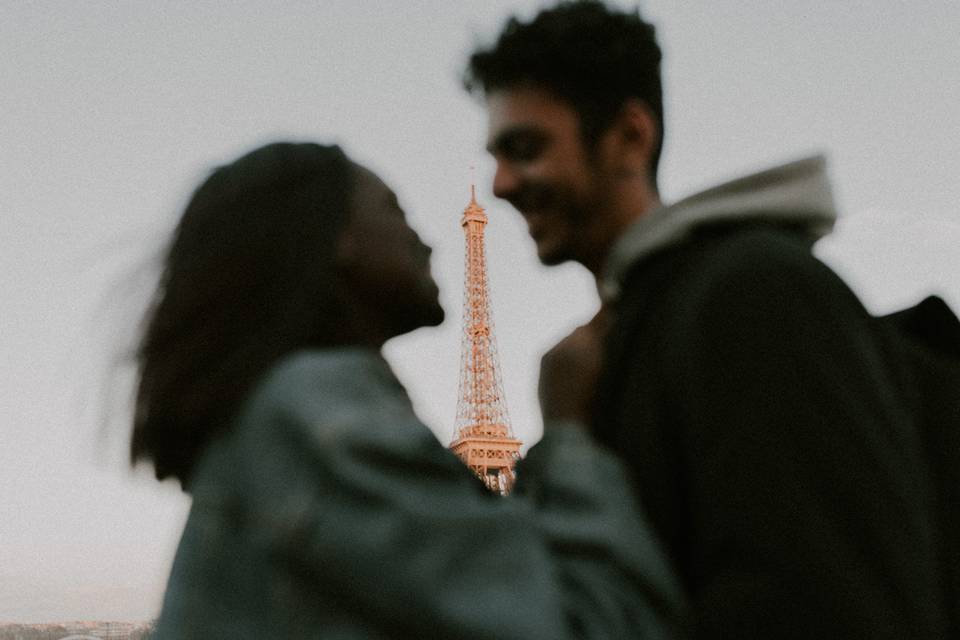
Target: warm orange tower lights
[(482, 435)]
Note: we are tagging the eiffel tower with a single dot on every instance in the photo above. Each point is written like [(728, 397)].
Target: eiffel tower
[(482, 439)]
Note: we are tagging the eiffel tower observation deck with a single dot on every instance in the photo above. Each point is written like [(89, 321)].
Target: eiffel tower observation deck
[(482, 437)]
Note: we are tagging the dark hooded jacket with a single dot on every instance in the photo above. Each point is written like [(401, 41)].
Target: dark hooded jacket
[(749, 391)]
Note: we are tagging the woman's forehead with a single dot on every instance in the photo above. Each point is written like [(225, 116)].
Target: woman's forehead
[(369, 188), (366, 180)]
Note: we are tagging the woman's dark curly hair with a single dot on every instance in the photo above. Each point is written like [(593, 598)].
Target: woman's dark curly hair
[(247, 279)]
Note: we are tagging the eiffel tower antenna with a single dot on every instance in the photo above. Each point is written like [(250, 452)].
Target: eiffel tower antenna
[(482, 437)]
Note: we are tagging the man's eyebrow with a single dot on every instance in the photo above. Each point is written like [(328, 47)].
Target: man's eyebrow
[(504, 137)]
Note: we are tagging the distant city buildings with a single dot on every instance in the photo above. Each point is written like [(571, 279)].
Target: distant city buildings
[(78, 631)]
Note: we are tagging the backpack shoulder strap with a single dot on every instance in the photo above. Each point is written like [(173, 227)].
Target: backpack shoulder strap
[(926, 345), (932, 324)]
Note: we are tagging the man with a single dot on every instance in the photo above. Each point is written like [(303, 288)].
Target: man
[(743, 380)]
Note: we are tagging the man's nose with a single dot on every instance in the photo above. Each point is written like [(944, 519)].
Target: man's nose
[(506, 181)]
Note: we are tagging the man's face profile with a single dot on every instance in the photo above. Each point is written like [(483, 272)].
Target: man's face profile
[(544, 170)]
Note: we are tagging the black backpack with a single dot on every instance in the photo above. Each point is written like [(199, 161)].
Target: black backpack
[(926, 342)]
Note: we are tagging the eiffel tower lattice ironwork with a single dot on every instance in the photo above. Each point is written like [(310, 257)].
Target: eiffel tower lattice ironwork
[(482, 437)]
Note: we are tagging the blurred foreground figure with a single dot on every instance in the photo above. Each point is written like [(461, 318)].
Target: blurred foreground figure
[(749, 390), (322, 506)]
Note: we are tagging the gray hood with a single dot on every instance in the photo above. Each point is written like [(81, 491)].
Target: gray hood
[(797, 194)]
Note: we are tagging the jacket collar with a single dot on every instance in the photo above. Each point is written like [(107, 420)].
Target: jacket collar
[(797, 193)]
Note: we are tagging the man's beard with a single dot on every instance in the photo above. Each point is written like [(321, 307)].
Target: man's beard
[(569, 213)]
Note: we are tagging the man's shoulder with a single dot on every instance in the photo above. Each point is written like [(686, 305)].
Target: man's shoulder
[(761, 270), (718, 254), (747, 246)]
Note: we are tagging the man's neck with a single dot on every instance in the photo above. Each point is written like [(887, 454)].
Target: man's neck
[(631, 205)]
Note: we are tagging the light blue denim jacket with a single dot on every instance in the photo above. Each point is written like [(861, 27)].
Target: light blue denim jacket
[(331, 511)]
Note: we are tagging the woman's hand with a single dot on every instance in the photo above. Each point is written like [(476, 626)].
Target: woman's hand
[(570, 370)]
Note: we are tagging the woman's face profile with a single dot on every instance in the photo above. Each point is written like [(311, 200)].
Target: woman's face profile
[(386, 263)]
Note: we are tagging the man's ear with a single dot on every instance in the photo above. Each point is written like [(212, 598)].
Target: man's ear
[(636, 137)]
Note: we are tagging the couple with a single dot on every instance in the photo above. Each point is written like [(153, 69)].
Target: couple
[(764, 486)]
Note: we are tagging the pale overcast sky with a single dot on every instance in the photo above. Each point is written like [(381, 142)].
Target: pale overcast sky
[(113, 111)]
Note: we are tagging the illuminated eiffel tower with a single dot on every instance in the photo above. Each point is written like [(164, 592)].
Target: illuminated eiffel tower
[(482, 437)]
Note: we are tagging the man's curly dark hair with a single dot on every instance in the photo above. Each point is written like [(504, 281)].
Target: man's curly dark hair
[(593, 57)]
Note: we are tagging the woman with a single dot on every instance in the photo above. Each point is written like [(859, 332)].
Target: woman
[(322, 507)]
